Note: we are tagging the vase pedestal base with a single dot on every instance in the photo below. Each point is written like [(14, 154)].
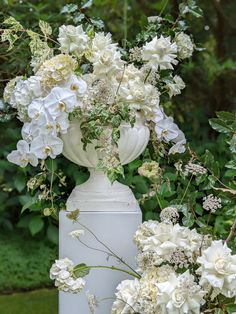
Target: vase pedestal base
[(116, 230)]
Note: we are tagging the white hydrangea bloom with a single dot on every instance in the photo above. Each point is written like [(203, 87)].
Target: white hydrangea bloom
[(22, 156), (61, 272), (218, 268), (105, 56), (73, 39), (174, 88), (184, 45), (160, 53), (180, 295), (25, 91), (46, 145), (127, 296)]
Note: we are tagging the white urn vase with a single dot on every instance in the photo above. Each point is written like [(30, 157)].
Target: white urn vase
[(98, 193)]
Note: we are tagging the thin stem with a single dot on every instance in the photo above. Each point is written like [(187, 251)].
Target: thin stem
[(125, 9), (149, 72), (232, 232), (163, 8), (158, 200), (114, 254), (187, 187), (51, 184), (92, 248), (107, 267)]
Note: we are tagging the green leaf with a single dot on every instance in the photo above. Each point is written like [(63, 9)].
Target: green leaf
[(220, 126), (69, 8), (52, 234), (36, 224), (19, 183), (140, 183), (81, 270), (226, 116), (45, 28), (87, 4)]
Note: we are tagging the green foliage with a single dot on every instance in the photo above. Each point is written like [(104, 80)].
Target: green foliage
[(24, 262)]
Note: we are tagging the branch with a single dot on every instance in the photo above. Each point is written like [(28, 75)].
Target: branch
[(232, 232)]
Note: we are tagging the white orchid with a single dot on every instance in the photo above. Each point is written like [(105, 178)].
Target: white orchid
[(47, 145), (22, 156), (76, 84), (60, 100), (160, 53), (73, 39), (166, 129), (218, 268)]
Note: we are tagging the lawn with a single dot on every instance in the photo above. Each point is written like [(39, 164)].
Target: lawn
[(36, 302)]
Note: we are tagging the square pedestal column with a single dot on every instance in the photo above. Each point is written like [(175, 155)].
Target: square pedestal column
[(116, 230)]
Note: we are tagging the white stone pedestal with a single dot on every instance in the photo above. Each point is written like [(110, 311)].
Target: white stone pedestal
[(115, 229)]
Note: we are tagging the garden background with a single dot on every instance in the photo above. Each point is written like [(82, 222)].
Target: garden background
[(28, 238)]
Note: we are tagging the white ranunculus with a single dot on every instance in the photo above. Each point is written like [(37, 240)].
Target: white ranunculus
[(139, 96), (160, 53), (166, 129), (107, 63), (22, 156), (73, 39), (101, 43), (174, 88), (180, 295), (127, 297), (46, 145), (218, 268), (184, 45), (60, 100)]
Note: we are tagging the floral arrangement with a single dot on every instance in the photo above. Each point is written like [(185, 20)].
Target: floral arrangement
[(89, 78), (179, 270)]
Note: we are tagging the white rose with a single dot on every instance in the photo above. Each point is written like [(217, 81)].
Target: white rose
[(160, 53), (73, 39)]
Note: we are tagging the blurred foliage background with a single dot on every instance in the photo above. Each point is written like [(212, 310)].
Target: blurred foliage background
[(210, 77)]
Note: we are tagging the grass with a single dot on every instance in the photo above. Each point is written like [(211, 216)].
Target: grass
[(24, 262), (36, 302)]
